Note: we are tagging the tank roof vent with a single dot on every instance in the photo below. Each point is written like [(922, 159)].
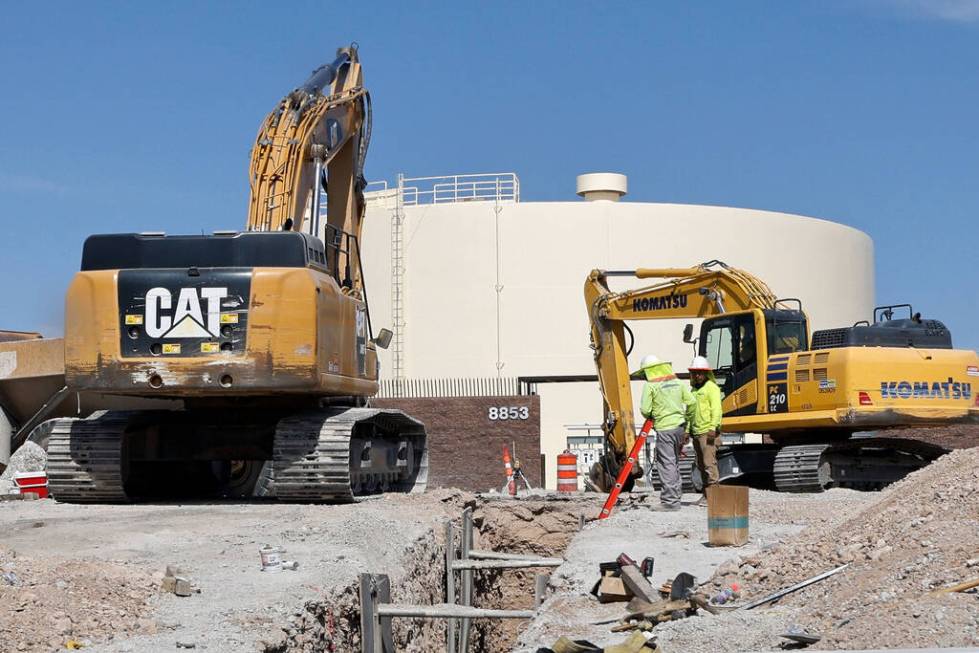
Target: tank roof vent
[(609, 186)]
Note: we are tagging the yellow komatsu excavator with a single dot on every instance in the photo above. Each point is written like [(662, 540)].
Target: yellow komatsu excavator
[(810, 394), (264, 335)]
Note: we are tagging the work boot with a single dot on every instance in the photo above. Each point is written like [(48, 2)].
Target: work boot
[(703, 501), (666, 507)]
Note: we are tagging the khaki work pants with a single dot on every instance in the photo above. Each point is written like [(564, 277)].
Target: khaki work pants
[(706, 448)]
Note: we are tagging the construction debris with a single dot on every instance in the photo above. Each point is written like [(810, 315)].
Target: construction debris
[(635, 643), (623, 579), (959, 587), (800, 635), (646, 615), (176, 582)]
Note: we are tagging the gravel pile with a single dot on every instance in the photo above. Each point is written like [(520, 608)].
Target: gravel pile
[(29, 458), (922, 534)]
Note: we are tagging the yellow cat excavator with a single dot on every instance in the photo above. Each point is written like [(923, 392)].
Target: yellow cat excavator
[(810, 394), (264, 335)]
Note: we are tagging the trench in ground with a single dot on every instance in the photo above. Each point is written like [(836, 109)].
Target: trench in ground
[(537, 527)]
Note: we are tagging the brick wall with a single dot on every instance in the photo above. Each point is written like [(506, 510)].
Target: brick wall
[(466, 446)]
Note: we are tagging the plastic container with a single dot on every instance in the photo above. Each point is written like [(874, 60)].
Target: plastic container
[(36, 482), (271, 558)]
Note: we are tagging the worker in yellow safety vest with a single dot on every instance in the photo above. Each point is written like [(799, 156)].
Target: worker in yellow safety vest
[(705, 426), (667, 401)]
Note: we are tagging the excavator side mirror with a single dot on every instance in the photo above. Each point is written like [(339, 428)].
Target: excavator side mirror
[(688, 333), (383, 339)]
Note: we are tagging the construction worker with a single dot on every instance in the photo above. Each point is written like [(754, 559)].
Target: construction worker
[(669, 403), (705, 427)]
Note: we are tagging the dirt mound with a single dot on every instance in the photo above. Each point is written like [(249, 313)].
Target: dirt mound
[(43, 605), (922, 534)]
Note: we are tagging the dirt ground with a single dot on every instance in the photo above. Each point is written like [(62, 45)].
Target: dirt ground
[(92, 573), (901, 544)]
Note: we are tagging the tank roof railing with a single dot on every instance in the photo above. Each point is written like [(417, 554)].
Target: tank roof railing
[(449, 189)]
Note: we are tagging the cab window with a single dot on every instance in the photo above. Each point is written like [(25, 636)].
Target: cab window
[(719, 348), (730, 347), (786, 337)]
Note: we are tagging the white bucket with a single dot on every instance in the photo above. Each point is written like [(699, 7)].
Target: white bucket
[(271, 558)]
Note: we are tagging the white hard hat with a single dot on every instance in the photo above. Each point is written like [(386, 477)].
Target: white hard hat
[(649, 360), (699, 363)]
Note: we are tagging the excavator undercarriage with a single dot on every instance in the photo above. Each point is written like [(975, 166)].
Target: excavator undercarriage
[(332, 454)]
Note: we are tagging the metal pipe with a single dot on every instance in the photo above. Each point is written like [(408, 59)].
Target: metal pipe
[(798, 586), (480, 554), (324, 75), (448, 611), (314, 224), (467, 576), (507, 564), (450, 587), (667, 273), (540, 588)]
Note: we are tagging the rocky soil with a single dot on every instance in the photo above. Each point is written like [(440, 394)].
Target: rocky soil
[(44, 604), (920, 535)]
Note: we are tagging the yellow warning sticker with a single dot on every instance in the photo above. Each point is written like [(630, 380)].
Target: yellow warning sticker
[(134, 319), (229, 318), (171, 348), (210, 347)]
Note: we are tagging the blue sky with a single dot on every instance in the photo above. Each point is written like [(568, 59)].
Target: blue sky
[(140, 116)]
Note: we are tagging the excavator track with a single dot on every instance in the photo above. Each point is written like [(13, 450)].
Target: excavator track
[(801, 469), (857, 463), (337, 455), (86, 463)]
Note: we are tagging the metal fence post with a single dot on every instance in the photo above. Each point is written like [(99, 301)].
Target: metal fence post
[(467, 576), (540, 588), (450, 587)]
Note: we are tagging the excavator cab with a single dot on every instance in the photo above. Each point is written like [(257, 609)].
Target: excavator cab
[(733, 343)]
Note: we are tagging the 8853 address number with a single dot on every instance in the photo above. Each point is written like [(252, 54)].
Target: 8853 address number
[(508, 412)]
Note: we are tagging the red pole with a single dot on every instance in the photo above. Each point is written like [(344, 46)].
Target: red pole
[(626, 470)]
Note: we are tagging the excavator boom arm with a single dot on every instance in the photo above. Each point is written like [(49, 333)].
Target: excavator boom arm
[(711, 288), (316, 139), (317, 133)]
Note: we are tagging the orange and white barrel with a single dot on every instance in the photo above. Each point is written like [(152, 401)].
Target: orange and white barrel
[(567, 472)]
